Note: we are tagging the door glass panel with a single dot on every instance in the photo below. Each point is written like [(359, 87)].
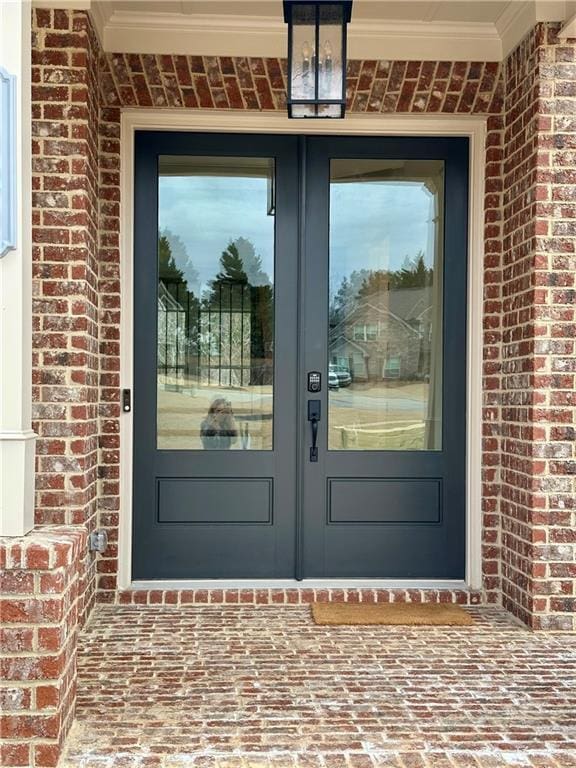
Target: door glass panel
[(385, 316), (215, 346)]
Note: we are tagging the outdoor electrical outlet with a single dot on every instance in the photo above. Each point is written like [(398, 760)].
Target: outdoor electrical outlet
[(98, 541)]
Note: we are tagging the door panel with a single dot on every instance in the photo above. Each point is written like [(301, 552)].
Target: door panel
[(362, 501), (385, 277), (215, 267)]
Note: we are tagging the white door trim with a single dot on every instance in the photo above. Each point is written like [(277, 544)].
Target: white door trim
[(228, 121)]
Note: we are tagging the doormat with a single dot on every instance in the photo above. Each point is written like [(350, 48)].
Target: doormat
[(393, 614)]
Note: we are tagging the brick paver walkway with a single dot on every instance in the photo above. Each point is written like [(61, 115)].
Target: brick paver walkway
[(263, 687)]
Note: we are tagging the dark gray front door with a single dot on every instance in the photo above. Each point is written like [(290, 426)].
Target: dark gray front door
[(260, 260), (215, 285), (385, 245)]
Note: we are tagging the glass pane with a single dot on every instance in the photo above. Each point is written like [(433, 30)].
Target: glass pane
[(385, 325), (331, 45), (303, 51), (215, 303)]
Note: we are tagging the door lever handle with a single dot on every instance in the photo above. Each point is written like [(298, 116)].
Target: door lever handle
[(314, 418)]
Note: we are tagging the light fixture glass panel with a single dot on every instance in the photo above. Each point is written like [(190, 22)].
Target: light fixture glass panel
[(303, 110), (331, 52), (330, 110), (303, 51)]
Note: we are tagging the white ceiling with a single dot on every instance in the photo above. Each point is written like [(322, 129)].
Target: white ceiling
[(380, 29)]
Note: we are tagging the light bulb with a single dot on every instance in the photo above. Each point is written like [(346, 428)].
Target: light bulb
[(328, 57), (305, 57)]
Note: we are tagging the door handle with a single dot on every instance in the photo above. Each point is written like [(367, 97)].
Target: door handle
[(314, 418)]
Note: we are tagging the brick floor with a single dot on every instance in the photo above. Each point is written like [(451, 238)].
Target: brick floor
[(263, 687)]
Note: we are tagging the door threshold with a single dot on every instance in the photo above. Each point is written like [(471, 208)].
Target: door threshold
[(389, 584)]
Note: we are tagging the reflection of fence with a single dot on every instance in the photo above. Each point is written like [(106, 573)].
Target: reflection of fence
[(384, 435), (224, 342), (223, 339)]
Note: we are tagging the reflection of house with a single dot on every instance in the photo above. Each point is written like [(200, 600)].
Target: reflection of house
[(171, 332), (386, 335)]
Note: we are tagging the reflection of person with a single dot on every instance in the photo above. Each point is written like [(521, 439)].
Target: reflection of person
[(218, 430)]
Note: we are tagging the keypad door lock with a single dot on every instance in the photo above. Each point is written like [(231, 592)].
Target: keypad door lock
[(314, 381)]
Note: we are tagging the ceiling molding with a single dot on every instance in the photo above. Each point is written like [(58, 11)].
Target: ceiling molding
[(514, 24), (100, 13), (242, 35), (568, 31), (262, 36), (552, 10), (520, 17), (67, 5)]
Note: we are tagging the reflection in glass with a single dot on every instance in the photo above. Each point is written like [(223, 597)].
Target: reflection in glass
[(215, 347), (385, 325)]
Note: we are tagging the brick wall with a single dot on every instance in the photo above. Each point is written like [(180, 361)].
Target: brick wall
[(65, 269), (42, 601), (526, 495), (538, 398)]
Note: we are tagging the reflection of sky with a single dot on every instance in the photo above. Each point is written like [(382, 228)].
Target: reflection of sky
[(208, 212), (375, 225)]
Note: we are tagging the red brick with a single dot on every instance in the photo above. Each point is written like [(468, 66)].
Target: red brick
[(46, 755), (15, 754), (47, 696)]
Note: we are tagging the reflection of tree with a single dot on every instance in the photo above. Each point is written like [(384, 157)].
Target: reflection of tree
[(232, 270), (251, 262), (242, 287), (167, 269), (413, 274), (178, 306), (368, 283), (172, 247)]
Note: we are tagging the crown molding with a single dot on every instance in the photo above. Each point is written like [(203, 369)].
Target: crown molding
[(261, 36), (514, 24), (520, 17), (568, 31), (100, 13), (67, 5), (241, 35)]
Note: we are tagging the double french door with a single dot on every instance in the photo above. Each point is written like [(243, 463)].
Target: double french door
[(300, 356)]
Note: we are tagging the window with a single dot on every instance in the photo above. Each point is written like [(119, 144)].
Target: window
[(371, 332), (365, 332), (392, 368)]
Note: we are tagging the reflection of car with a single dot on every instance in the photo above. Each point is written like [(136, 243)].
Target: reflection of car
[(332, 380), (342, 374)]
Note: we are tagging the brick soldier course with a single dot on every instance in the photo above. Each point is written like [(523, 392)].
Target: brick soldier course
[(529, 459)]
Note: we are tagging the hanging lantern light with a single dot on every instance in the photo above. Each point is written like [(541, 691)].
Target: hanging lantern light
[(317, 57)]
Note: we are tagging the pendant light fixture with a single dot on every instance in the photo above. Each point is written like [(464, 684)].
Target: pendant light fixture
[(317, 57)]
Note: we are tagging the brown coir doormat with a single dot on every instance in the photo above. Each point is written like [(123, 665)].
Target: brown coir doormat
[(394, 614)]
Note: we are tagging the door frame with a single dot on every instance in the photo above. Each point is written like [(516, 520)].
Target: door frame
[(228, 121)]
